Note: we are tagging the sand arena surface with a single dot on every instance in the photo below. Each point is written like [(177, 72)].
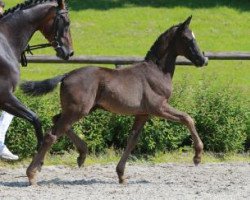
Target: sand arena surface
[(145, 181)]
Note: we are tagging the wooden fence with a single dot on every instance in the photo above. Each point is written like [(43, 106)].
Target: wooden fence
[(122, 60)]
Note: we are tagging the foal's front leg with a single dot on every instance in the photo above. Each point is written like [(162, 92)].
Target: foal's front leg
[(139, 122), (80, 145), (168, 112)]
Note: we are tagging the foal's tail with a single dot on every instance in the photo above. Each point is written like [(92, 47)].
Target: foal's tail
[(38, 88)]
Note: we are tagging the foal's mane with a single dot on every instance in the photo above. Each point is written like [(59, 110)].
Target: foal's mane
[(24, 5), (152, 54)]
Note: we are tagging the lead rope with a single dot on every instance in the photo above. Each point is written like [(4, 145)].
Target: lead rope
[(29, 50)]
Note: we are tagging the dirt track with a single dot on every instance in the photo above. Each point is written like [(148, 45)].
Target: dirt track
[(163, 181)]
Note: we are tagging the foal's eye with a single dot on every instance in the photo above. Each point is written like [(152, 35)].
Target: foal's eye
[(189, 40)]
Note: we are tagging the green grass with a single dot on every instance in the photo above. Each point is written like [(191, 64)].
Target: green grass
[(112, 157), (130, 27)]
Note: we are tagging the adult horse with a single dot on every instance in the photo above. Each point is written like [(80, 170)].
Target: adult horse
[(17, 26), (141, 90)]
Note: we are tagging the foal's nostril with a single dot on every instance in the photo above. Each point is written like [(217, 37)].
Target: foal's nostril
[(71, 53)]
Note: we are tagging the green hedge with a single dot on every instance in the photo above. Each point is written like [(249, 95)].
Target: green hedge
[(221, 118), (220, 115)]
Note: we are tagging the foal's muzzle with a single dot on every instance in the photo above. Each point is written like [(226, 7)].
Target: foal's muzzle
[(200, 60)]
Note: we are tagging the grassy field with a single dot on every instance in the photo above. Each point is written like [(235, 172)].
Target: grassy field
[(131, 27)]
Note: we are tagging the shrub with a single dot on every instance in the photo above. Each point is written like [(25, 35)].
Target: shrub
[(95, 130), (220, 116), (247, 143)]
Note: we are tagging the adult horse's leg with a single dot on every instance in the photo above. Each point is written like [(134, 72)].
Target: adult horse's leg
[(172, 114), (78, 142), (13, 106), (139, 122), (62, 126)]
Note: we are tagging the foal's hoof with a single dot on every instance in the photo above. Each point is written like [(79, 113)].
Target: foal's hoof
[(32, 178), (122, 181), (80, 160), (197, 161), (32, 183)]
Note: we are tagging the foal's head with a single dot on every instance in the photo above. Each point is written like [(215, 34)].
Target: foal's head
[(185, 44), (55, 27), (177, 40)]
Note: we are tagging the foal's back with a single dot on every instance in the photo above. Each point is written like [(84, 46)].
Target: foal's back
[(116, 90), (129, 90)]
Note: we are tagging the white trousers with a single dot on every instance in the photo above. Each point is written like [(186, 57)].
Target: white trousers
[(5, 120)]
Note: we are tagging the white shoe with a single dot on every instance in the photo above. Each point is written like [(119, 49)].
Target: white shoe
[(6, 154)]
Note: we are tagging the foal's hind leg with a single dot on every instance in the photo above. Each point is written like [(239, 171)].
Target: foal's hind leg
[(172, 114), (37, 161), (139, 122), (63, 125), (77, 141)]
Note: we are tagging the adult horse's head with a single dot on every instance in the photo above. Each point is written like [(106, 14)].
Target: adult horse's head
[(186, 45), (56, 28)]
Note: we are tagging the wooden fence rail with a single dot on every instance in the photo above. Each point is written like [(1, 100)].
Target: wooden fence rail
[(122, 60)]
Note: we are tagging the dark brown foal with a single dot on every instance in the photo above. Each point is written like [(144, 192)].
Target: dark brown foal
[(141, 90)]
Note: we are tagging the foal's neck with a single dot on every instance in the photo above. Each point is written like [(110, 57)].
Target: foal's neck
[(166, 64), (164, 59)]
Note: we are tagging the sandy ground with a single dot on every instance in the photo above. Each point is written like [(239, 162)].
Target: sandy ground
[(161, 181)]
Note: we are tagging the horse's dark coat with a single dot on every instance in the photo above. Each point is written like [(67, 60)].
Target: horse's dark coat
[(17, 26)]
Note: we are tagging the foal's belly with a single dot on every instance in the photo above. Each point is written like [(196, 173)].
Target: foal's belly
[(122, 106), (123, 110)]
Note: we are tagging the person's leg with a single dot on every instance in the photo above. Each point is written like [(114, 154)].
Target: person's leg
[(5, 120), (1, 7)]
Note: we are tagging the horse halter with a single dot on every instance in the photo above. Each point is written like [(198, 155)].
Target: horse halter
[(56, 43)]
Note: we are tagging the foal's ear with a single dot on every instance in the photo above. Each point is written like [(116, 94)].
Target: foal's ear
[(187, 21), (61, 4), (185, 24)]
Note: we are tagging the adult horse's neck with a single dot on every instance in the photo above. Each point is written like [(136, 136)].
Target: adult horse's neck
[(162, 53), (18, 27)]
